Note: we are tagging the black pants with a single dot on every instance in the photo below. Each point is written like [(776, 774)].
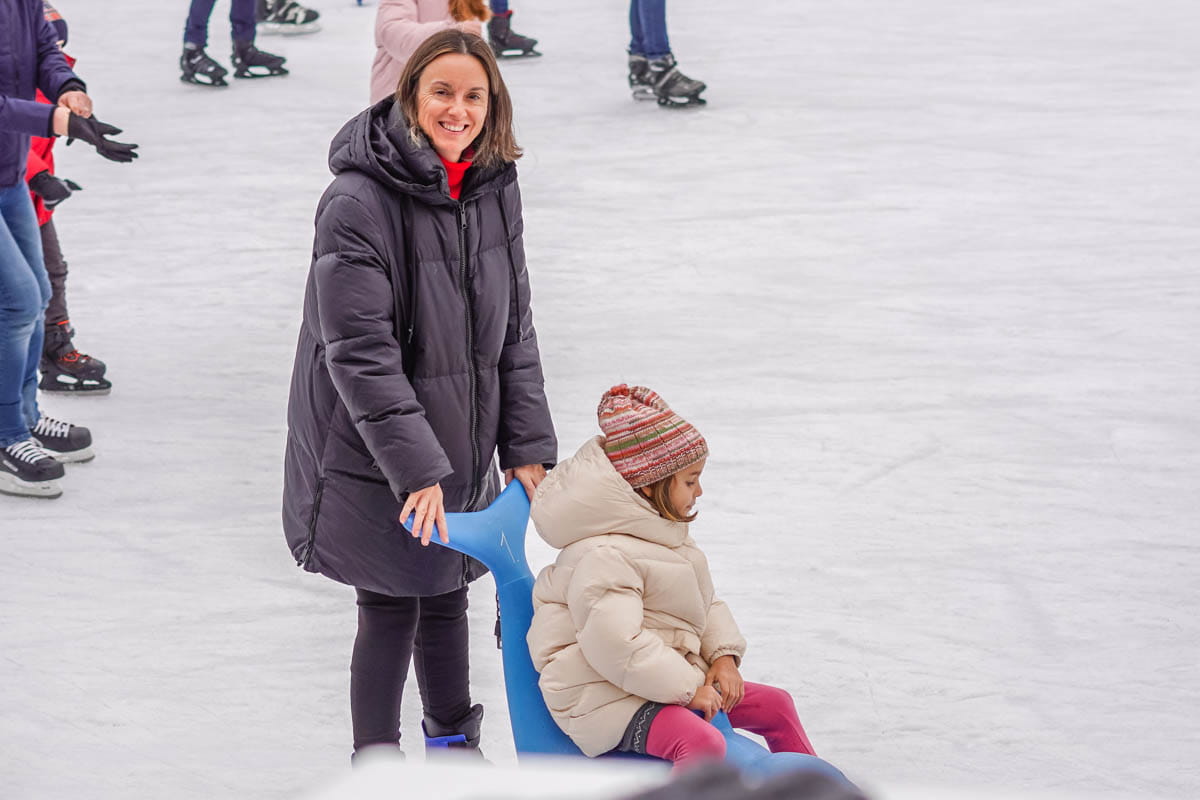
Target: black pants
[(429, 631), (56, 267)]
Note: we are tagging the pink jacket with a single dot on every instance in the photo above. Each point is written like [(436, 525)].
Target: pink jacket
[(400, 27)]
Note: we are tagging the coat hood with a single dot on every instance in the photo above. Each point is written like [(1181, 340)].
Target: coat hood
[(377, 143), (586, 496)]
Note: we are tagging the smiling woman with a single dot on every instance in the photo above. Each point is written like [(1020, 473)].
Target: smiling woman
[(417, 367)]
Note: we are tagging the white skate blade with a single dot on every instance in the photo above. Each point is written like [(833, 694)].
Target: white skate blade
[(71, 457), (287, 29), (10, 484)]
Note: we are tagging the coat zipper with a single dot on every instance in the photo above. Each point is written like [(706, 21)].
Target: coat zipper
[(310, 545), (471, 376)]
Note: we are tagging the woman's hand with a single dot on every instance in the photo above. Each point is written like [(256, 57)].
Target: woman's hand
[(76, 102), (706, 700), (529, 475), (724, 673), (427, 508)]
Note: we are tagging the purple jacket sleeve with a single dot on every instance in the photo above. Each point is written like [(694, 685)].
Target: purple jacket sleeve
[(53, 71), (25, 116)]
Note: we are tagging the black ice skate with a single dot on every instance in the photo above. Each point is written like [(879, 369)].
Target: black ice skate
[(66, 370), (286, 17), (672, 88), (66, 443), (250, 62), (507, 43), (460, 736), (29, 471), (639, 78), (199, 69)]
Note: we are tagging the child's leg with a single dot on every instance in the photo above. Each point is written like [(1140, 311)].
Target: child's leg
[(382, 652), (56, 268), (684, 738), (196, 29), (441, 657), (771, 714)]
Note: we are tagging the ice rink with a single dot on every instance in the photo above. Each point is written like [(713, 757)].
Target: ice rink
[(924, 273)]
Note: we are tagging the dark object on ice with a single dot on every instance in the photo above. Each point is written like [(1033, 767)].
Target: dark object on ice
[(51, 188), (65, 369), (671, 87), (286, 17), (66, 443), (95, 133), (27, 470), (722, 781), (250, 62), (506, 42), (198, 68)]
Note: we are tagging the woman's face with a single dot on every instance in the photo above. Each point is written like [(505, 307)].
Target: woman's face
[(452, 103)]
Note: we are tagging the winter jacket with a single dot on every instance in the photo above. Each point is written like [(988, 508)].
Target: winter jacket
[(29, 60), (41, 159), (400, 28), (627, 613), (417, 359)]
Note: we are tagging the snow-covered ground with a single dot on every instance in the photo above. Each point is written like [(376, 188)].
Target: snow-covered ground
[(925, 274)]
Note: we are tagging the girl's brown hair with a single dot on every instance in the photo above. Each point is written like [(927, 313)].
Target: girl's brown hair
[(463, 10), (659, 495), (497, 144)]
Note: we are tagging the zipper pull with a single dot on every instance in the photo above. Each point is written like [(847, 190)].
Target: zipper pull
[(462, 215)]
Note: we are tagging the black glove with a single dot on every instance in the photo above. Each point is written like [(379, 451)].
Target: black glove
[(53, 190), (93, 131)]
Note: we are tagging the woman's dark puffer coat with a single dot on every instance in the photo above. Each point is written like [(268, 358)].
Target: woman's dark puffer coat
[(417, 360)]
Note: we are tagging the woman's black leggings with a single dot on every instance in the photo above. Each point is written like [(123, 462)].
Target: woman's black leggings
[(429, 631)]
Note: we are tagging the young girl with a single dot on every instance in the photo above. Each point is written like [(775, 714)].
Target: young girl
[(627, 632)]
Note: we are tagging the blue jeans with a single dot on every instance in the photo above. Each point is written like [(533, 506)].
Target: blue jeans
[(241, 16), (648, 28), (24, 295)]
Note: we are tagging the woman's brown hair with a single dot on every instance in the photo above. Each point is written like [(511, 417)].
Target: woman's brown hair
[(497, 144), (659, 495)]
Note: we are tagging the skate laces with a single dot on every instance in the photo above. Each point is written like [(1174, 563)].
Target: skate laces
[(48, 426), (28, 451)]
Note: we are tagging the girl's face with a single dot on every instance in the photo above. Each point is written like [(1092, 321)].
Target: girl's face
[(452, 103), (685, 488)]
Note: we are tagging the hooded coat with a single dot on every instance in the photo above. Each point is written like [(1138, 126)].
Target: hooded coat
[(627, 613), (417, 360), (29, 60)]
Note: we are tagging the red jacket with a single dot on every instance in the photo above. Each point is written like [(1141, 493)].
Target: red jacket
[(41, 157)]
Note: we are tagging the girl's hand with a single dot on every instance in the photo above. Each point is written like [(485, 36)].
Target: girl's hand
[(706, 700), (427, 508), (529, 476), (724, 673)]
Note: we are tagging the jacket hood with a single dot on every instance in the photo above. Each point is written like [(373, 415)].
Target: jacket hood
[(586, 496), (376, 142)]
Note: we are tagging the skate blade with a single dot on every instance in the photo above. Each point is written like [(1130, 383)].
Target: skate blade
[(518, 55), (73, 457), (17, 488), (66, 386), (196, 81), (251, 74), (691, 102), (642, 95), (286, 29)]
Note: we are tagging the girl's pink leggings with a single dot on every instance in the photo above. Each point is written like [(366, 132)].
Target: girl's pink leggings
[(684, 738)]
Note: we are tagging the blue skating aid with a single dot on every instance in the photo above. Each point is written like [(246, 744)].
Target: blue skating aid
[(496, 536)]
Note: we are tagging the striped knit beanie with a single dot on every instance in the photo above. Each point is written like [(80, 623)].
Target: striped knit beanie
[(643, 438), (56, 21)]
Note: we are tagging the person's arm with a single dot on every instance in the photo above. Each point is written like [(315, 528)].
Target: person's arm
[(721, 635), (26, 116), (526, 434), (398, 31), (357, 327), (54, 76), (605, 601)]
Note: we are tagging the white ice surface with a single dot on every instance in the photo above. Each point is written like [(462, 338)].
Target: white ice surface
[(925, 274)]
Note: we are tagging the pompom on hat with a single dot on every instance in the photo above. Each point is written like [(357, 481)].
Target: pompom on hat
[(643, 438)]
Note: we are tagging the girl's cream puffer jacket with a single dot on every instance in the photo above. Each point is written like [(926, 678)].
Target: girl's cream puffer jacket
[(627, 612)]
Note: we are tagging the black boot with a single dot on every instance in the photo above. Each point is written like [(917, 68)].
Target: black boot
[(506, 42), (65, 369), (461, 735), (250, 62)]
